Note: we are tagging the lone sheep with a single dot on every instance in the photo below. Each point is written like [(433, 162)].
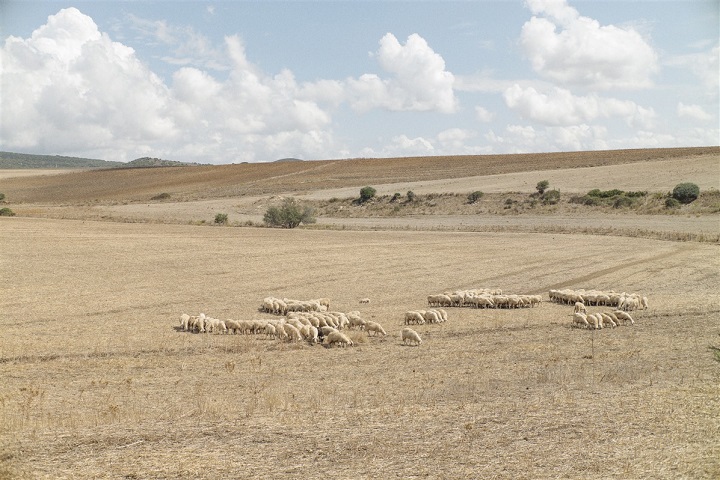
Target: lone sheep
[(410, 335)]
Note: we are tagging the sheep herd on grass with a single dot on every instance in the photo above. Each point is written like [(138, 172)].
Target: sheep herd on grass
[(483, 298), (312, 322), (622, 301)]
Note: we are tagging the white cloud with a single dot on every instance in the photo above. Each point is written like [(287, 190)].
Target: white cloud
[(704, 65), (418, 80), (566, 47), (483, 115), (561, 107), (694, 112)]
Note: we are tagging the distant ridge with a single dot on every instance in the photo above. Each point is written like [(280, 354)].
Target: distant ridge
[(289, 159), (26, 160)]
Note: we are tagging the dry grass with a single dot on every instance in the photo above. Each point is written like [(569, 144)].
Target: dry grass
[(97, 382)]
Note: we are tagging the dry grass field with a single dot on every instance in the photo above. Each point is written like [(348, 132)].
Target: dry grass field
[(98, 382)]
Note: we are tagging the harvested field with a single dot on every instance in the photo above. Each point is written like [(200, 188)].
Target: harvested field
[(98, 383)]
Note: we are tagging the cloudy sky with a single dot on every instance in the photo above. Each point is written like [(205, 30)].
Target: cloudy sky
[(234, 81)]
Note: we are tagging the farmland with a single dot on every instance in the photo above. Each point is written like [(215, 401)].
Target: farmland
[(98, 382)]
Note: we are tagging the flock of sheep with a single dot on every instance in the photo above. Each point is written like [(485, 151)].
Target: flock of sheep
[(622, 301), (483, 298), (313, 322)]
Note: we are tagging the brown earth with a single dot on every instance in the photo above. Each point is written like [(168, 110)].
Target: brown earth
[(99, 383)]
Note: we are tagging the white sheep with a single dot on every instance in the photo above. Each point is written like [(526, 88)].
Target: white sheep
[(339, 338), (270, 330), (375, 327), (184, 321), (410, 335), (607, 318), (414, 317), (292, 333), (624, 316), (233, 326), (580, 307), (580, 318)]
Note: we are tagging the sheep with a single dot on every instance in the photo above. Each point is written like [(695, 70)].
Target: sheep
[(327, 330), (414, 316), (580, 319), (313, 334), (356, 320), (184, 320), (432, 317), (339, 338), (580, 307), (233, 326), (375, 327), (292, 333), (608, 318), (597, 320), (409, 335), (270, 330), (198, 323), (644, 303), (625, 317)]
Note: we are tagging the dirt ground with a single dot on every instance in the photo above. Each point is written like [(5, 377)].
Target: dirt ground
[(98, 383)]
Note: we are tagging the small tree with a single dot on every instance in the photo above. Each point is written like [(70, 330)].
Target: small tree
[(551, 197), (289, 215), (542, 186), (475, 196), (395, 198), (366, 193), (221, 219), (410, 196), (686, 192), (6, 212)]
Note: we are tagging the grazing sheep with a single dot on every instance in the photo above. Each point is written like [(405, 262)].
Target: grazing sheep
[(327, 330), (415, 317), (580, 307), (624, 316), (270, 330), (374, 327), (338, 337), (607, 318), (233, 326), (410, 335), (644, 303), (597, 320), (292, 333), (184, 320), (580, 319)]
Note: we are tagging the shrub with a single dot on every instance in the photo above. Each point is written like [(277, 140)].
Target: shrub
[(475, 196), (635, 194), (161, 196), (2, 197), (6, 212), (686, 192), (586, 200), (411, 197), (395, 198), (551, 197), (289, 215), (623, 201), (671, 202), (366, 193), (221, 219), (542, 186)]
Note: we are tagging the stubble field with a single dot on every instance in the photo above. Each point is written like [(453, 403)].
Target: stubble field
[(99, 383)]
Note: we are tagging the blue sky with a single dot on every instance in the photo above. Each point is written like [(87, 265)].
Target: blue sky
[(234, 81)]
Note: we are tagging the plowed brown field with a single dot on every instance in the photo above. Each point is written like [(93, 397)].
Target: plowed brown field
[(97, 381)]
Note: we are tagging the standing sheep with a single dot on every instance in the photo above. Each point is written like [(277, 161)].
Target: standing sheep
[(410, 335), (371, 326), (339, 338)]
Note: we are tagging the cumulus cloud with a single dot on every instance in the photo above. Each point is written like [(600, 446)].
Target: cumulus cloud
[(418, 80), (704, 65), (70, 88), (566, 47), (483, 114), (694, 112), (561, 107)]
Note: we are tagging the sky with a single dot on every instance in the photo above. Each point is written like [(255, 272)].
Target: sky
[(256, 81)]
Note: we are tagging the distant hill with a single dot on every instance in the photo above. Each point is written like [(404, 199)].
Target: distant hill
[(155, 162), (25, 160), (290, 159)]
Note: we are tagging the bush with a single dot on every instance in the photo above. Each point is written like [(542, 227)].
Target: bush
[(221, 219), (586, 200), (6, 212), (161, 196), (623, 201), (671, 202), (686, 192), (289, 215), (596, 192), (542, 186), (2, 197), (475, 196), (366, 193), (395, 198), (411, 197), (551, 197)]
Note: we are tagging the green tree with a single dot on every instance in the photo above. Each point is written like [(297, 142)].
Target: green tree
[(221, 219), (542, 186), (366, 193), (289, 215), (475, 196), (686, 192)]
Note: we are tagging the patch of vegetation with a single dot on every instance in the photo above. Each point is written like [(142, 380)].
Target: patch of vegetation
[(551, 197), (161, 196), (2, 197), (289, 215), (366, 193), (6, 212), (686, 192), (24, 160), (621, 201), (542, 185), (475, 196), (671, 202), (588, 200), (411, 197), (221, 219), (395, 198)]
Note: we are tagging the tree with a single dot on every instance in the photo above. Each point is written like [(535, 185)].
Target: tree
[(289, 215), (542, 186), (411, 197), (366, 193), (686, 192)]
